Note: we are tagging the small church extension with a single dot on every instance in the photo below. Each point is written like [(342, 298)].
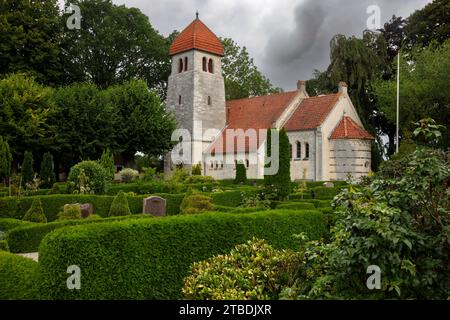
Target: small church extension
[(327, 138)]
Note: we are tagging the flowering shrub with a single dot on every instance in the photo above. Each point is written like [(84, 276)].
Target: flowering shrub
[(129, 174)]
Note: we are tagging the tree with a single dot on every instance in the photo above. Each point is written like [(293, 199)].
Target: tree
[(87, 177), (27, 170), (47, 171), (241, 174), (29, 37), (119, 206), (115, 44), (142, 122), (242, 77), (5, 159), (25, 110), (394, 35), (197, 169), (107, 162)]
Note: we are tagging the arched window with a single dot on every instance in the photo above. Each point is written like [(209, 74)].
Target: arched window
[(221, 164), (247, 163), (209, 100), (306, 150), (185, 63), (204, 64), (299, 150), (179, 99), (210, 66), (290, 150), (180, 66), (235, 164), (217, 165), (212, 165)]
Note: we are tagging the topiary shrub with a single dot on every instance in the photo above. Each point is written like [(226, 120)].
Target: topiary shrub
[(128, 174), (241, 174), (197, 170), (47, 171), (194, 202), (27, 170), (70, 212), (107, 162), (4, 245), (87, 177), (119, 206), (251, 271), (35, 213)]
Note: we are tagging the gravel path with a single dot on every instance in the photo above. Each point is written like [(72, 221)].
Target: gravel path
[(33, 255)]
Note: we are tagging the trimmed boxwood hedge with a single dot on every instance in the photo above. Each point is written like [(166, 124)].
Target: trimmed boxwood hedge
[(15, 207), (296, 206), (28, 238), (231, 198), (18, 280), (148, 259), (7, 224), (4, 245)]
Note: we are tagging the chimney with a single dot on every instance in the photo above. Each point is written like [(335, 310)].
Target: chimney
[(301, 85), (342, 87)]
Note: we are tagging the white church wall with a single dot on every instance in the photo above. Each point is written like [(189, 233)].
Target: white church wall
[(303, 168), (349, 156)]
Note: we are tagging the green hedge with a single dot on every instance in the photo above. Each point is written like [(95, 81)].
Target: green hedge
[(297, 196), (220, 208), (231, 198), (296, 206), (4, 245), (28, 238), (14, 207), (325, 193), (7, 224), (149, 259), (18, 277)]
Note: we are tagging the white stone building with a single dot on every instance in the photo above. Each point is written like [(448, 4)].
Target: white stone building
[(328, 141)]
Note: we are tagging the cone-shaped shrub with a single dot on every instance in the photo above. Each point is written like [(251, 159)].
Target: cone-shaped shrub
[(241, 174), (119, 206), (35, 213), (27, 168), (47, 171)]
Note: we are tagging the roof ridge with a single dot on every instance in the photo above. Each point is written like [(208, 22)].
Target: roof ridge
[(267, 95), (324, 95)]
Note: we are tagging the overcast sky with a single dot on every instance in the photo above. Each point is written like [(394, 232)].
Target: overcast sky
[(287, 38)]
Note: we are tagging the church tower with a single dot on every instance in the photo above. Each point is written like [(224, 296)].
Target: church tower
[(196, 91)]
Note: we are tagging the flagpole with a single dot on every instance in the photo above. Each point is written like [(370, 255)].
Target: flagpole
[(398, 101)]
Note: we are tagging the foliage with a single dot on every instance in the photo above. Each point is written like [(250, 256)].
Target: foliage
[(19, 277), (197, 169), (242, 77), (119, 206), (128, 174), (254, 200), (179, 175), (47, 171), (7, 224), (4, 245), (196, 179), (5, 159), (35, 213), (296, 206), (251, 271), (30, 39), (107, 162), (27, 170), (87, 177), (398, 223), (173, 243), (195, 202), (33, 186), (70, 212), (148, 174), (241, 174)]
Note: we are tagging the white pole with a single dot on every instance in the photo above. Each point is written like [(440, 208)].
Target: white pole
[(398, 102)]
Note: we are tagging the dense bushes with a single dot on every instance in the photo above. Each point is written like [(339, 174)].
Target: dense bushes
[(18, 280), (296, 206), (150, 258), (87, 177), (35, 213), (194, 202), (7, 224), (70, 212)]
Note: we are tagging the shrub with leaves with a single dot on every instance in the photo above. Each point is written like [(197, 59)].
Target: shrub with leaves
[(241, 174), (119, 206), (195, 202), (148, 174), (35, 213), (179, 175), (27, 170), (70, 212), (87, 177), (197, 170), (107, 162), (128, 174), (199, 179), (251, 271), (47, 171), (254, 200)]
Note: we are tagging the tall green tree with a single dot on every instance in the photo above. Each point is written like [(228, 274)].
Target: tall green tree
[(242, 77), (47, 173), (25, 109), (115, 44), (27, 170), (107, 162), (29, 39), (5, 159)]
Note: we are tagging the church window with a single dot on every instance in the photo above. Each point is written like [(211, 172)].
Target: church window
[(212, 165), (180, 66), (204, 64), (299, 150), (179, 99), (235, 164), (306, 150), (221, 165), (209, 100), (185, 63), (290, 150), (217, 165), (247, 163), (210, 66)]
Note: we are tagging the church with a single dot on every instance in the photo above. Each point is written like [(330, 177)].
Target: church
[(327, 138)]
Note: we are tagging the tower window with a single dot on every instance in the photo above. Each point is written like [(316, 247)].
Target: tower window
[(204, 64), (180, 66), (306, 150), (247, 163), (185, 63), (209, 100), (210, 66), (290, 150), (179, 99), (299, 150)]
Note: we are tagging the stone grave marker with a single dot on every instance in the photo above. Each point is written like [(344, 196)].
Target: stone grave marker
[(155, 206)]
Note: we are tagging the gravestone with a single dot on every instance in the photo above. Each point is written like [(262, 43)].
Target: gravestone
[(86, 209), (155, 206), (328, 185)]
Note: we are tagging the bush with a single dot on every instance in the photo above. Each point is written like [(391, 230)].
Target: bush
[(59, 188), (18, 279), (107, 162), (296, 206), (119, 206), (129, 174), (148, 174), (4, 245), (47, 171), (325, 193), (87, 177), (70, 212), (153, 256), (7, 224), (194, 179), (27, 170), (195, 203), (241, 174), (251, 271), (35, 213), (179, 175), (197, 170)]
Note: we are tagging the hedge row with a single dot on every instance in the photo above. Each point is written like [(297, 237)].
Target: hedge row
[(4, 245), (220, 208), (231, 198), (15, 207), (18, 277), (7, 224), (28, 238), (296, 206), (148, 259)]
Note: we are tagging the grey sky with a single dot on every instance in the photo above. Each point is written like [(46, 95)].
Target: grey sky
[(287, 38)]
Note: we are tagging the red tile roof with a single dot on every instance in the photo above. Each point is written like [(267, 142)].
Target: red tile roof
[(311, 112), (349, 129), (197, 36)]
